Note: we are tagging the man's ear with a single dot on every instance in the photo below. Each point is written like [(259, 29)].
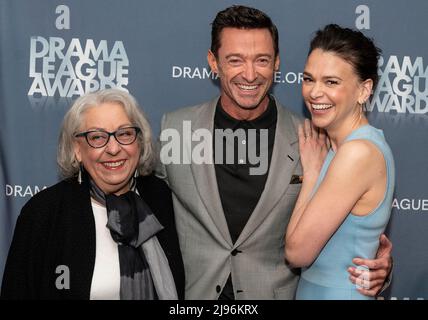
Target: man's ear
[(212, 61), (277, 63)]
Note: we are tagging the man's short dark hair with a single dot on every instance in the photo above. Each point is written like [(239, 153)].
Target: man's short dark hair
[(241, 17)]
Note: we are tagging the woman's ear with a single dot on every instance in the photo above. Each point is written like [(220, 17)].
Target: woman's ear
[(366, 88), (77, 151)]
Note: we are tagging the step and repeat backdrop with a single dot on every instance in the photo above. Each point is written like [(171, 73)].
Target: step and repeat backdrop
[(53, 51)]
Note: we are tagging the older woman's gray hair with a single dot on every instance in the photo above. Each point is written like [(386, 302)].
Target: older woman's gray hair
[(66, 159)]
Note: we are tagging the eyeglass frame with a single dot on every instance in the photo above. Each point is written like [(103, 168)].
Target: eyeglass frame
[(113, 133)]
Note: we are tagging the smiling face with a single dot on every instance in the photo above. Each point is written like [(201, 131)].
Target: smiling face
[(245, 64), (112, 166), (332, 91)]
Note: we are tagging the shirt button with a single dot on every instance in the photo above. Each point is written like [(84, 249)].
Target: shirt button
[(218, 288), (244, 142), (235, 252)]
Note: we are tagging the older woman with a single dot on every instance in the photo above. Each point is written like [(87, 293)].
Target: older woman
[(107, 230)]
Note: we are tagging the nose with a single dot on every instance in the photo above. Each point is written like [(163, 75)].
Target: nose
[(112, 147), (316, 90), (249, 73)]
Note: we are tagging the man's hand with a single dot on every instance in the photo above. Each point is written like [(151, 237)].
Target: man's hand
[(371, 282)]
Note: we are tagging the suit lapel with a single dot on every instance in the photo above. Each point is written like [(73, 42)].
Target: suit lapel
[(205, 176), (285, 157)]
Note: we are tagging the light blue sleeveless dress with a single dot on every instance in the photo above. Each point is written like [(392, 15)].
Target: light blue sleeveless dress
[(358, 236)]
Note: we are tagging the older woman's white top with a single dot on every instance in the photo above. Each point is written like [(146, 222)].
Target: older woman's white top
[(106, 277)]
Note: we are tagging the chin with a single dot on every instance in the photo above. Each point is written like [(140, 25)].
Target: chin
[(114, 189), (320, 122), (116, 182), (249, 105)]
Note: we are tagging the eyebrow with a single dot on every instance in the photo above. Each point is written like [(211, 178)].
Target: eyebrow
[(102, 129), (305, 73), (240, 55)]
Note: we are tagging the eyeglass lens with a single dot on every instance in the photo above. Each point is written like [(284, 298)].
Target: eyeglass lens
[(123, 136)]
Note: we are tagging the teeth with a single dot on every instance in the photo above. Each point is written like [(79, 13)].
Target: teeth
[(247, 87), (114, 164), (321, 106)]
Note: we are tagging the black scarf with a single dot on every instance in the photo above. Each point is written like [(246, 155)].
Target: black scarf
[(131, 223)]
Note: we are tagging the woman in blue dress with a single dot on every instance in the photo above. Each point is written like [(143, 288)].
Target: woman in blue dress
[(348, 168)]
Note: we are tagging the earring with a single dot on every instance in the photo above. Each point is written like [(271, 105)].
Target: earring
[(79, 176), (136, 174)]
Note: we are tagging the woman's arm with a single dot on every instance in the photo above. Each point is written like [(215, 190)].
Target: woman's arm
[(313, 149), (314, 220)]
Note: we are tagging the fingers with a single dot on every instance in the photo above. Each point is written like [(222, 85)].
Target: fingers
[(369, 276), (373, 264), (385, 241), (301, 133), (366, 283), (378, 276), (385, 246), (370, 293), (308, 128), (311, 131), (305, 130), (372, 275)]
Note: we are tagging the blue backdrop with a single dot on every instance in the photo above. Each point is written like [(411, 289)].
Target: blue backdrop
[(53, 51)]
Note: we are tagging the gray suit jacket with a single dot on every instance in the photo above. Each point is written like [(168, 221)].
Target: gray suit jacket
[(257, 265)]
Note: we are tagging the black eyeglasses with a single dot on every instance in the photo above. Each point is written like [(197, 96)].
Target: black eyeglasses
[(98, 138)]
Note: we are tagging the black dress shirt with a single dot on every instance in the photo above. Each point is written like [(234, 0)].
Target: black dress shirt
[(240, 190)]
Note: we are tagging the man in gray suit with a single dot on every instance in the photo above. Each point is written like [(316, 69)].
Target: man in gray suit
[(232, 213)]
